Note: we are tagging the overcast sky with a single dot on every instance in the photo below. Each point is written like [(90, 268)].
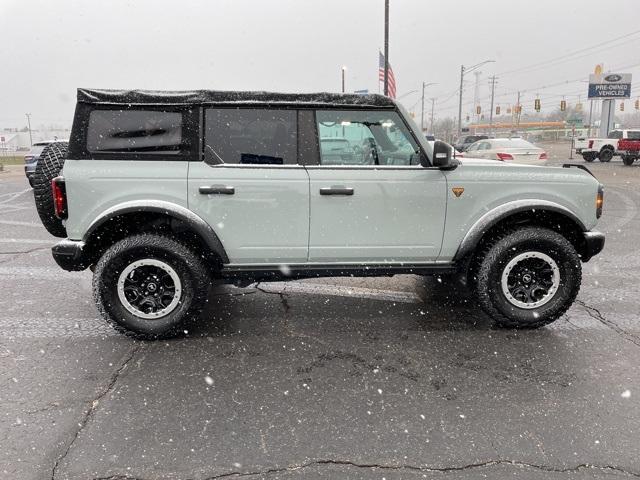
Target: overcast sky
[(49, 48)]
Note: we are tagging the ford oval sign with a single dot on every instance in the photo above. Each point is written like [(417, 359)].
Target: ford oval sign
[(610, 86)]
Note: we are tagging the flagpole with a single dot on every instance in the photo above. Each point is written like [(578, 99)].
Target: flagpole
[(386, 47)]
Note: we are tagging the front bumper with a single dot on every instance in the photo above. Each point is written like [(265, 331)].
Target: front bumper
[(593, 245), (70, 255)]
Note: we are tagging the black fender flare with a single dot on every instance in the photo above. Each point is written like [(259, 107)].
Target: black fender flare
[(495, 215), (202, 228)]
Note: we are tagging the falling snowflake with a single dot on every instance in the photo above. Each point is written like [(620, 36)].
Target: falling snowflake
[(209, 380)]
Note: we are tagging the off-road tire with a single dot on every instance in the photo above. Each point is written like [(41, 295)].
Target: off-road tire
[(605, 155), (628, 160), (589, 157), (49, 166), (494, 258), (192, 272)]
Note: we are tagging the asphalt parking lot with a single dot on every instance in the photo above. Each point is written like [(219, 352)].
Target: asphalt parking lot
[(394, 378)]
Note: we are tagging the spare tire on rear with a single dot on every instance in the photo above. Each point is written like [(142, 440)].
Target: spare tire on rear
[(49, 166)]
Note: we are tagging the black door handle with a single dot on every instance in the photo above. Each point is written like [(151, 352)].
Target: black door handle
[(217, 190), (336, 191)]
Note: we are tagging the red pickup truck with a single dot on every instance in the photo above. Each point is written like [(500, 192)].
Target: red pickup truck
[(629, 150)]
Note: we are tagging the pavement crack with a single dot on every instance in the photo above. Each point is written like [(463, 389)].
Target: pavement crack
[(93, 406), (597, 315), (415, 468)]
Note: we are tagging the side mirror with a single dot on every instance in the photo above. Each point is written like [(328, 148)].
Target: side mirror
[(442, 155)]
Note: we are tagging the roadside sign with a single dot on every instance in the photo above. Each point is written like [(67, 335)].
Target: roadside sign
[(361, 92), (610, 85)]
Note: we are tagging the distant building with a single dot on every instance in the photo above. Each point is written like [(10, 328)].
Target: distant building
[(16, 141)]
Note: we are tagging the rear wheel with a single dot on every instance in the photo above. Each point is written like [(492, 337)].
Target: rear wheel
[(606, 154), (628, 159), (528, 278), (150, 286), (589, 156)]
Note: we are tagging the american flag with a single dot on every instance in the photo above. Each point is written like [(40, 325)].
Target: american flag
[(392, 78)]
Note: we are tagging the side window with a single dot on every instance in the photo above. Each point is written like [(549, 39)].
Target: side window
[(135, 131), (472, 147), (365, 137), (250, 136), (484, 145), (617, 134)]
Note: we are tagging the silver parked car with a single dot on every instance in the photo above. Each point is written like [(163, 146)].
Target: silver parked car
[(31, 159), (511, 150)]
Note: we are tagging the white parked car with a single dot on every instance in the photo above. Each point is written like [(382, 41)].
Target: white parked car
[(510, 150)]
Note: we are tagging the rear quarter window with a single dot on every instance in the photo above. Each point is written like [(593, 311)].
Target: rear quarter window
[(135, 131)]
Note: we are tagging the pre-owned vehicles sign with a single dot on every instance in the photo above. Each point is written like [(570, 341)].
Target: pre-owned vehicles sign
[(610, 85)]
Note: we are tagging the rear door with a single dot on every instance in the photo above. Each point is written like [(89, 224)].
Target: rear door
[(376, 203), (250, 188)]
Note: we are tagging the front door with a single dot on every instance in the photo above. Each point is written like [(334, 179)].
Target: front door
[(371, 200), (250, 188)]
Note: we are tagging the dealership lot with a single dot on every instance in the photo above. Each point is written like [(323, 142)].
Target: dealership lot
[(333, 378)]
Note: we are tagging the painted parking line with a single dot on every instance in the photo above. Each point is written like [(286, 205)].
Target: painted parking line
[(54, 327), (27, 241), (18, 223), (12, 196)]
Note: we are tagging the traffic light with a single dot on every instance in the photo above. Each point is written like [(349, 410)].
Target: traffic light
[(536, 105), (563, 105), (622, 106), (478, 110), (638, 104), (498, 110)]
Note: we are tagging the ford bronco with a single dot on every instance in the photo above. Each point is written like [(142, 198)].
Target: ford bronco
[(163, 193)]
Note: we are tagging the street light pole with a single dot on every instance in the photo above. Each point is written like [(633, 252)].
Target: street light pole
[(422, 114), (493, 93), (464, 70), (343, 70), (386, 47), (29, 124)]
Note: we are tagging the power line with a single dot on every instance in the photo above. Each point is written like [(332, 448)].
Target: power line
[(590, 48)]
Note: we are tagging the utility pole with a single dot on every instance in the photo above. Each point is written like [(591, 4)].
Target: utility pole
[(386, 47), (422, 111), (590, 113), (518, 111), (29, 125), (462, 71), (460, 101), (433, 104), (476, 96), (493, 93), (424, 85)]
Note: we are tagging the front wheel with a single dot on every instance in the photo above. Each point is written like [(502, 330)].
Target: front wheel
[(605, 155), (148, 286), (589, 156), (628, 160), (528, 278)]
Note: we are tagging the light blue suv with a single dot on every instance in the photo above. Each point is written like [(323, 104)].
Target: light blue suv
[(162, 193)]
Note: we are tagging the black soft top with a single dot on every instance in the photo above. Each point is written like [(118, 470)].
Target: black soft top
[(198, 97)]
